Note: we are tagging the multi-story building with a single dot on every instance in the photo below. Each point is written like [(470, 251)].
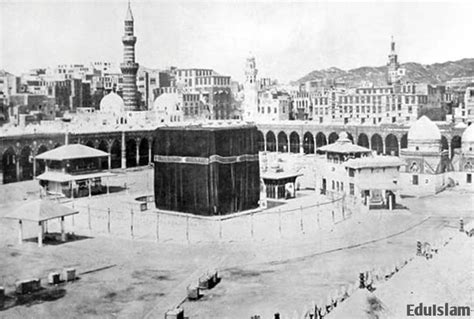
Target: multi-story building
[(465, 111), (273, 105)]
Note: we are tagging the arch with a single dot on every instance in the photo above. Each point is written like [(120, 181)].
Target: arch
[(40, 164), (26, 164), (321, 139), (116, 154), (271, 142), (377, 143), (404, 141), (332, 137), (143, 152), (308, 143), (444, 143), (282, 142), (9, 166), (363, 140), (350, 137), (131, 153), (260, 141), (103, 160), (294, 142), (90, 144), (455, 144), (391, 145)]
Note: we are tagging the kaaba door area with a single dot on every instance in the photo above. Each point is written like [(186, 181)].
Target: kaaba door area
[(206, 170)]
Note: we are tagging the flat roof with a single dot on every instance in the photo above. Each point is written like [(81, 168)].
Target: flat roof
[(374, 162), (71, 151)]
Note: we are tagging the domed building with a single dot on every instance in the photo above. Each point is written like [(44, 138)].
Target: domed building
[(168, 108), (112, 108), (464, 162), (426, 164)]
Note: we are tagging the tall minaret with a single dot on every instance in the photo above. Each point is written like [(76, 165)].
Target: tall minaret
[(250, 103), (129, 67), (392, 65)]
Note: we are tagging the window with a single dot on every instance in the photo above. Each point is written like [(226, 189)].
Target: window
[(351, 188), (469, 178), (333, 185), (415, 180), (351, 172)]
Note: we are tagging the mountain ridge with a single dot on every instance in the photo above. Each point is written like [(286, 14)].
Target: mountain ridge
[(435, 73)]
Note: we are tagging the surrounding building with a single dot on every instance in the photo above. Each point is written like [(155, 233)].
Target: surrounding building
[(345, 169)]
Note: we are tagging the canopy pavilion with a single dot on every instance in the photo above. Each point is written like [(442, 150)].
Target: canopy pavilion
[(40, 211), (74, 170)]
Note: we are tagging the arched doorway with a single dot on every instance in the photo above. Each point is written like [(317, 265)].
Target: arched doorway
[(9, 166), (391, 145), (131, 153), (377, 143), (363, 140), (104, 161), (294, 142), (320, 139), (271, 142), (26, 164), (444, 143), (260, 141), (40, 165), (143, 152), (404, 141), (282, 142), (116, 154), (308, 143), (455, 144), (333, 137)]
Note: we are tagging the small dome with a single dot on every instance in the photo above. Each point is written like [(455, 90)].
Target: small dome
[(468, 135), (344, 138), (112, 103), (424, 130)]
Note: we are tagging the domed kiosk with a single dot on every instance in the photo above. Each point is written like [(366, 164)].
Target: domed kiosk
[(426, 164)]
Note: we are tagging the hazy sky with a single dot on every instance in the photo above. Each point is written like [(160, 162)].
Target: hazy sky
[(288, 39)]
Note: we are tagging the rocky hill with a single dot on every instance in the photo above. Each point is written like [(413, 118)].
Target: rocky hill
[(436, 73)]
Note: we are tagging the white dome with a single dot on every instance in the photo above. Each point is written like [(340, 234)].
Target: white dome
[(167, 102), (112, 103), (424, 130), (468, 135)]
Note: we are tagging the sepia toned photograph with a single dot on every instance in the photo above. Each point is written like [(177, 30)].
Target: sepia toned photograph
[(241, 159)]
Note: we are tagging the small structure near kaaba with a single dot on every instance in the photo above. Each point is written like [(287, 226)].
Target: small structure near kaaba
[(74, 170), (40, 211), (207, 169), (279, 184)]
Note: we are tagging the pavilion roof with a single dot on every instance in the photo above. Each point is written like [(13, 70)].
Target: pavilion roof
[(64, 177), (71, 151), (40, 210)]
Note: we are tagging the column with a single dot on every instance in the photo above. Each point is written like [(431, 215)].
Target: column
[(108, 191), (301, 146), (34, 165), (289, 145), (399, 141), (63, 233), (265, 142), (17, 166), (450, 151), (109, 162), (384, 147), (40, 234), (66, 138), (124, 152), (89, 184), (20, 232), (137, 154), (150, 144)]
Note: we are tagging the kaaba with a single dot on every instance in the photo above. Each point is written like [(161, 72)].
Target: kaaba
[(206, 170)]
